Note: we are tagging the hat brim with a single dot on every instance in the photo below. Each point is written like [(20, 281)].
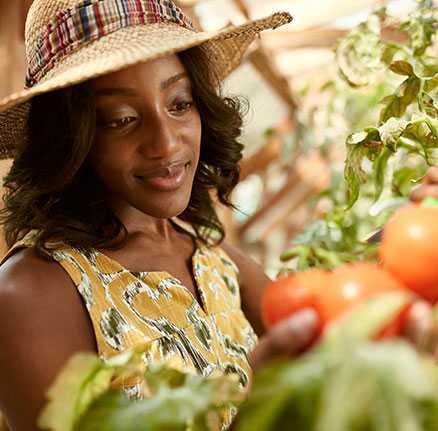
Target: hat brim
[(124, 48)]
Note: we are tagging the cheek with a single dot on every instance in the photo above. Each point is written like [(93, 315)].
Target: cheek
[(196, 134), (95, 157), (104, 157)]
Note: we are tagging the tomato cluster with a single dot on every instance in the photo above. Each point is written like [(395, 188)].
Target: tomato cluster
[(409, 260)]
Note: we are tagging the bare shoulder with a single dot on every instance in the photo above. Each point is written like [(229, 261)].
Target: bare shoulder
[(29, 282), (253, 281), (42, 323), (27, 269), (37, 295)]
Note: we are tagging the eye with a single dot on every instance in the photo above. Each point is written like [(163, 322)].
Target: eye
[(119, 123), (184, 106)]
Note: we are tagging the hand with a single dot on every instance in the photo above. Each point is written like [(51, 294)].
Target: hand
[(428, 187), (286, 339), (421, 327)]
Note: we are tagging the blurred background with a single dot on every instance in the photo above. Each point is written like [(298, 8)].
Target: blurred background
[(290, 79)]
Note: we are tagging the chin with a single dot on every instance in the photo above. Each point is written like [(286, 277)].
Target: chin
[(167, 210)]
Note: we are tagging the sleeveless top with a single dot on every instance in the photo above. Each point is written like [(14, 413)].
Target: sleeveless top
[(130, 308)]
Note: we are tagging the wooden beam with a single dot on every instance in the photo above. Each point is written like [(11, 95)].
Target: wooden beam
[(262, 158), (314, 13), (287, 40), (301, 195), (241, 5), (188, 3), (269, 152), (265, 65), (25, 5), (282, 40), (311, 175), (12, 52), (270, 203)]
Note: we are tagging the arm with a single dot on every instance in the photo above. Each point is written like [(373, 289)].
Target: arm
[(43, 322)]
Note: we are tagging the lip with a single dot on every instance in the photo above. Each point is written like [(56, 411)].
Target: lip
[(164, 178)]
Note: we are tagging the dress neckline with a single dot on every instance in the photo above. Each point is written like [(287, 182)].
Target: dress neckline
[(142, 275)]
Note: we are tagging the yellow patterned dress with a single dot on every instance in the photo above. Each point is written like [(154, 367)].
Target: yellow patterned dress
[(130, 308)]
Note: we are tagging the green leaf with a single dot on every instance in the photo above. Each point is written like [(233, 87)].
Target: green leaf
[(416, 132), (178, 401), (353, 172), (359, 53), (356, 138), (391, 131), (419, 135), (81, 381), (373, 143), (379, 168), (388, 54), (402, 68), (395, 104), (300, 251), (359, 145), (379, 387), (431, 83), (351, 386), (284, 396), (402, 180), (430, 104), (311, 233), (421, 29), (130, 359), (368, 319)]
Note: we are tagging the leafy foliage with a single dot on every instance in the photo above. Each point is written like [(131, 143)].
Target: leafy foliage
[(409, 116), (82, 381), (386, 103), (81, 398), (177, 401)]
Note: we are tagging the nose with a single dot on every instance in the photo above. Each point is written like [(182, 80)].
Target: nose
[(159, 136)]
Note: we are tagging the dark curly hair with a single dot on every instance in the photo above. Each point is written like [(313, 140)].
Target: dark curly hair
[(51, 187)]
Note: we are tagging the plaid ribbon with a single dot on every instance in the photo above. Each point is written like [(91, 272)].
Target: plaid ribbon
[(91, 19)]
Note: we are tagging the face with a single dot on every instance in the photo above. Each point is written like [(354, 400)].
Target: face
[(148, 138)]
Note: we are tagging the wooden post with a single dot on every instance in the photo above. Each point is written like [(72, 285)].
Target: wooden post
[(13, 62), (12, 52)]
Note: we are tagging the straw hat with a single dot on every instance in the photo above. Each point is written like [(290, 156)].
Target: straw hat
[(68, 42)]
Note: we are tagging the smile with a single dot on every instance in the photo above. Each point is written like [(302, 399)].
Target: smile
[(166, 178)]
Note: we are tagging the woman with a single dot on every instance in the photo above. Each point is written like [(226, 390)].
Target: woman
[(119, 143)]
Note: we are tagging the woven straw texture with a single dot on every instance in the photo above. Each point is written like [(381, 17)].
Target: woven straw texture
[(120, 49)]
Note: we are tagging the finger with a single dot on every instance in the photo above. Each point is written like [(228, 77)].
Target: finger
[(431, 176), (291, 335), (421, 328), (286, 339), (425, 190)]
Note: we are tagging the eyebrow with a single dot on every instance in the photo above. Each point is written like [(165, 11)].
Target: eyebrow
[(110, 91), (126, 91), (168, 82)]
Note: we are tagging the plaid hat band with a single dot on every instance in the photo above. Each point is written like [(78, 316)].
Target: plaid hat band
[(91, 19)]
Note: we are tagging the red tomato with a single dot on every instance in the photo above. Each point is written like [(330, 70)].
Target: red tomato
[(409, 248), (290, 294), (351, 284)]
